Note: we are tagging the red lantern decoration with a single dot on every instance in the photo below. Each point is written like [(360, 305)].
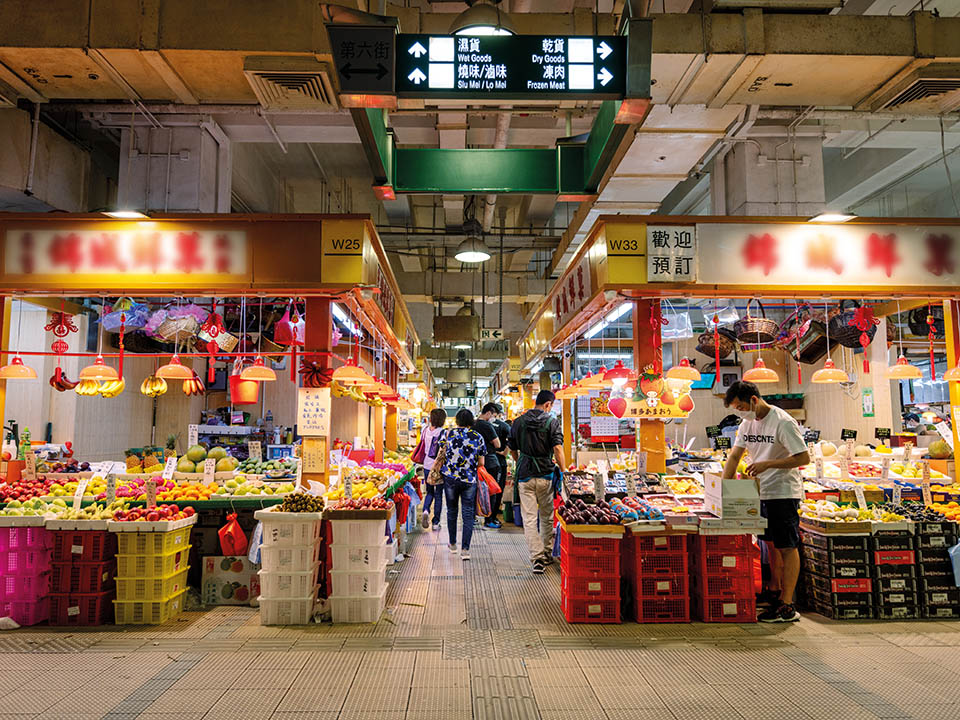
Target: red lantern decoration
[(862, 320)]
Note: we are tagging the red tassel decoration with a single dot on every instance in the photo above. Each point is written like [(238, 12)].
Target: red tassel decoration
[(716, 343), (931, 335)]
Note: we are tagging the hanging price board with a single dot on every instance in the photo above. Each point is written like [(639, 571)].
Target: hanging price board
[(151, 488), (882, 433), (209, 470), (811, 436), (848, 434), (255, 450), (861, 498), (169, 467)]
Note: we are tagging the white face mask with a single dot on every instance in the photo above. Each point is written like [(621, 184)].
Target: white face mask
[(745, 414)]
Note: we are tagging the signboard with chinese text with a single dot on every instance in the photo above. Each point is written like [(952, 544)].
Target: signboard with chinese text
[(661, 411), (671, 253), (364, 57), (385, 298), (574, 291), (515, 66), (313, 455), (313, 411)]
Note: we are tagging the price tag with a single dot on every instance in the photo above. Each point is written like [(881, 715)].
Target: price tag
[(897, 494), (861, 499), (818, 464), (30, 465), (347, 483), (945, 432), (111, 488), (881, 433), (722, 443), (811, 436), (255, 450), (631, 485), (169, 467), (848, 434), (599, 487), (844, 469), (78, 493), (927, 495), (885, 469), (193, 435), (713, 431), (642, 462), (907, 452), (849, 446), (209, 469), (151, 488), (925, 470)]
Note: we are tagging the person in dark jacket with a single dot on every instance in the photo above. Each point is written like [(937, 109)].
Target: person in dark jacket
[(485, 426), (536, 443)]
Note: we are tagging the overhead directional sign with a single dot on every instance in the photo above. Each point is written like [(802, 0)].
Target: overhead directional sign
[(515, 66), (491, 334), (364, 57)]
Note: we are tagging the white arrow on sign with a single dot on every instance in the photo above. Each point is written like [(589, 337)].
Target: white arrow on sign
[(604, 76), (417, 50), (603, 50), (417, 76), (491, 334)]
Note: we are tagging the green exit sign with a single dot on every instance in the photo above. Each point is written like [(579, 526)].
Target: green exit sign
[(511, 67)]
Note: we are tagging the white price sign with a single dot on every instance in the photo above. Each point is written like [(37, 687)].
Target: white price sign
[(255, 450), (193, 435), (169, 467), (209, 469), (313, 411), (111, 488), (861, 499), (818, 464), (641, 461), (946, 433), (885, 469), (30, 465), (78, 494), (907, 452), (151, 488), (897, 494)]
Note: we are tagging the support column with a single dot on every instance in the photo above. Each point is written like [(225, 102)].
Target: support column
[(951, 308), (318, 345), (651, 434), (378, 415), (5, 305), (390, 433), (568, 406)]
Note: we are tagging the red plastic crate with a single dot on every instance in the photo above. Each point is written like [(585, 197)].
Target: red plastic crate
[(894, 557), (24, 562), (582, 587), (661, 586), (726, 563), (659, 544), (81, 610), (663, 610), (851, 585), (588, 545), (26, 613), (590, 610), (24, 588), (24, 538), (660, 564), (82, 578), (742, 610), (84, 545), (721, 586), (721, 543), (590, 566)]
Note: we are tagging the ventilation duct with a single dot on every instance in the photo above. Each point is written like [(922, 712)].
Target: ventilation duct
[(930, 90), (290, 83)]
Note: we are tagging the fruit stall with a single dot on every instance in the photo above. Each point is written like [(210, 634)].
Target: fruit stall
[(850, 327), (198, 329)]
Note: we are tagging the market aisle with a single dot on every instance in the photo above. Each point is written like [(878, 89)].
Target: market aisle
[(482, 640)]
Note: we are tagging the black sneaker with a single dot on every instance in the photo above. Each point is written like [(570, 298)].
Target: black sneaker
[(548, 560), (768, 597), (538, 567), (779, 614)]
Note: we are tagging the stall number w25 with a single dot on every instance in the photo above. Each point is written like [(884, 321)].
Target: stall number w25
[(345, 243)]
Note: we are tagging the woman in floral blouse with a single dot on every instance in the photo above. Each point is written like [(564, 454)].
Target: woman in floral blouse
[(465, 450)]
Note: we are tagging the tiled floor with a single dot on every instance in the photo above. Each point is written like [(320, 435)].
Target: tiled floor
[(483, 640)]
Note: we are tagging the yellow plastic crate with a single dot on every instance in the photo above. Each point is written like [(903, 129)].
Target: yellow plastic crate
[(139, 612), (152, 543), (155, 589), (152, 566)]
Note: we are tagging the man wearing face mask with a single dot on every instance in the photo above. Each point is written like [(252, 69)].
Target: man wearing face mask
[(777, 450)]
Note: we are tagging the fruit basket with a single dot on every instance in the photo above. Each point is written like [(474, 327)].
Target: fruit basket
[(152, 588), (81, 578), (148, 613), (80, 610), (134, 566), (288, 584), (288, 611), (289, 529), (152, 543), (147, 526)]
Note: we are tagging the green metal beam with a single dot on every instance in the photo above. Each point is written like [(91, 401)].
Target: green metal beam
[(476, 170)]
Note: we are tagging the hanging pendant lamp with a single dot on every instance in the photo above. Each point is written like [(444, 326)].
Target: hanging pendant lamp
[(829, 373), (618, 375), (174, 370), (15, 369), (259, 371), (683, 371), (760, 373), (902, 370), (99, 370)]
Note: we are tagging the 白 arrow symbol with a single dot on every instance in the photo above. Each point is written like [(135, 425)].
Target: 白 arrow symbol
[(603, 50), (417, 76), (417, 50), (604, 76), (380, 71)]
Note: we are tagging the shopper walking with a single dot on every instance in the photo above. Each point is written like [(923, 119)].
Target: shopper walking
[(503, 432), (536, 443), (776, 448), (464, 449), (491, 462), (431, 445)]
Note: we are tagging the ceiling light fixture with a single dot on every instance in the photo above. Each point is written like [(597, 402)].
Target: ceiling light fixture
[(683, 371), (462, 346), (831, 217), (99, 370), (259, 371), (126, 215), (829, 373), (15, 369), (472, 250), (902, 370), (482, 19)]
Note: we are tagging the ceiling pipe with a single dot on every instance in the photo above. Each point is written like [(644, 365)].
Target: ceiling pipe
[(499, 143)]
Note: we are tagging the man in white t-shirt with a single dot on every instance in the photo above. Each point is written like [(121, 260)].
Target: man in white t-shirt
[(777, 450)]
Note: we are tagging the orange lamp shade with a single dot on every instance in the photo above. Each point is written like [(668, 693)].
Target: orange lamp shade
[(903, 370), (594, 382), (618, 375), (952, 375), (258, 372), (683, 371), (244, 392), (174, 370), (760, 373), (16, 370), (829, 373), (100, 371), (351, 374)]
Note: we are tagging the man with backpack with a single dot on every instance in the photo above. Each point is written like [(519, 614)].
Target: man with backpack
[(536, 443)]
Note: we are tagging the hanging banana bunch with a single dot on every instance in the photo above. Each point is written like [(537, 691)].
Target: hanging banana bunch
[(153, 386), (194, 386), (112, 388), (87, 388)]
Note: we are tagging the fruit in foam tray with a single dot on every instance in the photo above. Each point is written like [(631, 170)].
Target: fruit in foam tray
[(862, 451), (827, 449)]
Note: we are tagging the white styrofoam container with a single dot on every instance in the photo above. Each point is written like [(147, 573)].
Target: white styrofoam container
[(358, 557), (160, 526), (289, 529), (349, 583), (274, 558), (288, 584), (288, 611), (357, 532), (357, 609)]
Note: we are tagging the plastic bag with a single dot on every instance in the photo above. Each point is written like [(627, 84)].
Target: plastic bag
[(678, 327), (484, 477), (233, 541), (955, 561), (483, 499), (290, 331), (255, 542), (131, 315)]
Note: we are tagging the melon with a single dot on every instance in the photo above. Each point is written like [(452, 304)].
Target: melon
[(217, 453), (226, 464), (196, 454), (827, 449), (862, 451), (939, 450), (186, 465)]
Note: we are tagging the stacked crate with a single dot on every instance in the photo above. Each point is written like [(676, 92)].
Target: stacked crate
[(24, 570), (722, 568), (152, 565), (357, 561), (838, 576), (656, 578), (937, 594), (289, 566), (590, 575), (895, 590), (82, 574)]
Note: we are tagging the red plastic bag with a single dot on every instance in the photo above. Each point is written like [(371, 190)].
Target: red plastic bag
[(483, 475), (233, 541), (290, 331)]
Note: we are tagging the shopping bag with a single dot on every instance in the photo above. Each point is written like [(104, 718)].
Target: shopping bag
[(678, 327), (483, 500), (254, 554), (485, 478), (418, 454), (289, 331), (233, 541)]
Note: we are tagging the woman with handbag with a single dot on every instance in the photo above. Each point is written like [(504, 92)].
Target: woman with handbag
[(431, 444), (462, 450)]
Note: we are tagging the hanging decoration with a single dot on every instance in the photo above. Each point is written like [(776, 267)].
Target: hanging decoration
[(863, 320), (657, 321), (61, 325), (931, 335), (903, 370)]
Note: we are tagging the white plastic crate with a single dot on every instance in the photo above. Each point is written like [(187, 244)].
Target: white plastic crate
[(358, 557), (357, 609), (288, 559), (288, 584), (349, 583), (289, 529), (288, 611), (357, 532), (390, 552)]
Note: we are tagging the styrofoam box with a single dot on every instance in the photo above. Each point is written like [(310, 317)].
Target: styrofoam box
[(357, 609), (288, 611), (289, 529), (288, 584), (349, 583), (288, 559), (357, 532), (359, 557)]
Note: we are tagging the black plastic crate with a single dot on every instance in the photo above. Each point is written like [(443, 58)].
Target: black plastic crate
[(853, 612), (896, 597), (842, 571), (838, 542), (837, 557), (894, 584), (940, 611), (944, 527), (932, 556), (898, 612), (892, 542), (941, 597), (840, 599), (883, 572), (934, 583), (932, 541)]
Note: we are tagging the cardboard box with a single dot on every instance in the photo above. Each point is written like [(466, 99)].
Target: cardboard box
[(229, 581), (731, 499)]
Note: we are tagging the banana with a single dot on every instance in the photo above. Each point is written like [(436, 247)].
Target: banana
[(112, 388), (87, 388), (60, 382), (153, 386), (194, 386)]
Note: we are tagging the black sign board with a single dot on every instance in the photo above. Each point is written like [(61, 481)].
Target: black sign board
[(847, 434), (713, 431), (811, 436), (722, 442), (364, 57), (511, 66), (882, 433)]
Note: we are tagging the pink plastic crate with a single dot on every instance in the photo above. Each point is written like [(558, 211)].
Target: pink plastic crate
[(24, 588), (24, 538), (26, 613), (24, 562)]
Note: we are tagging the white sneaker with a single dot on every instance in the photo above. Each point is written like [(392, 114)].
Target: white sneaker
[(465, 555), (453, 548), (425, 520)]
